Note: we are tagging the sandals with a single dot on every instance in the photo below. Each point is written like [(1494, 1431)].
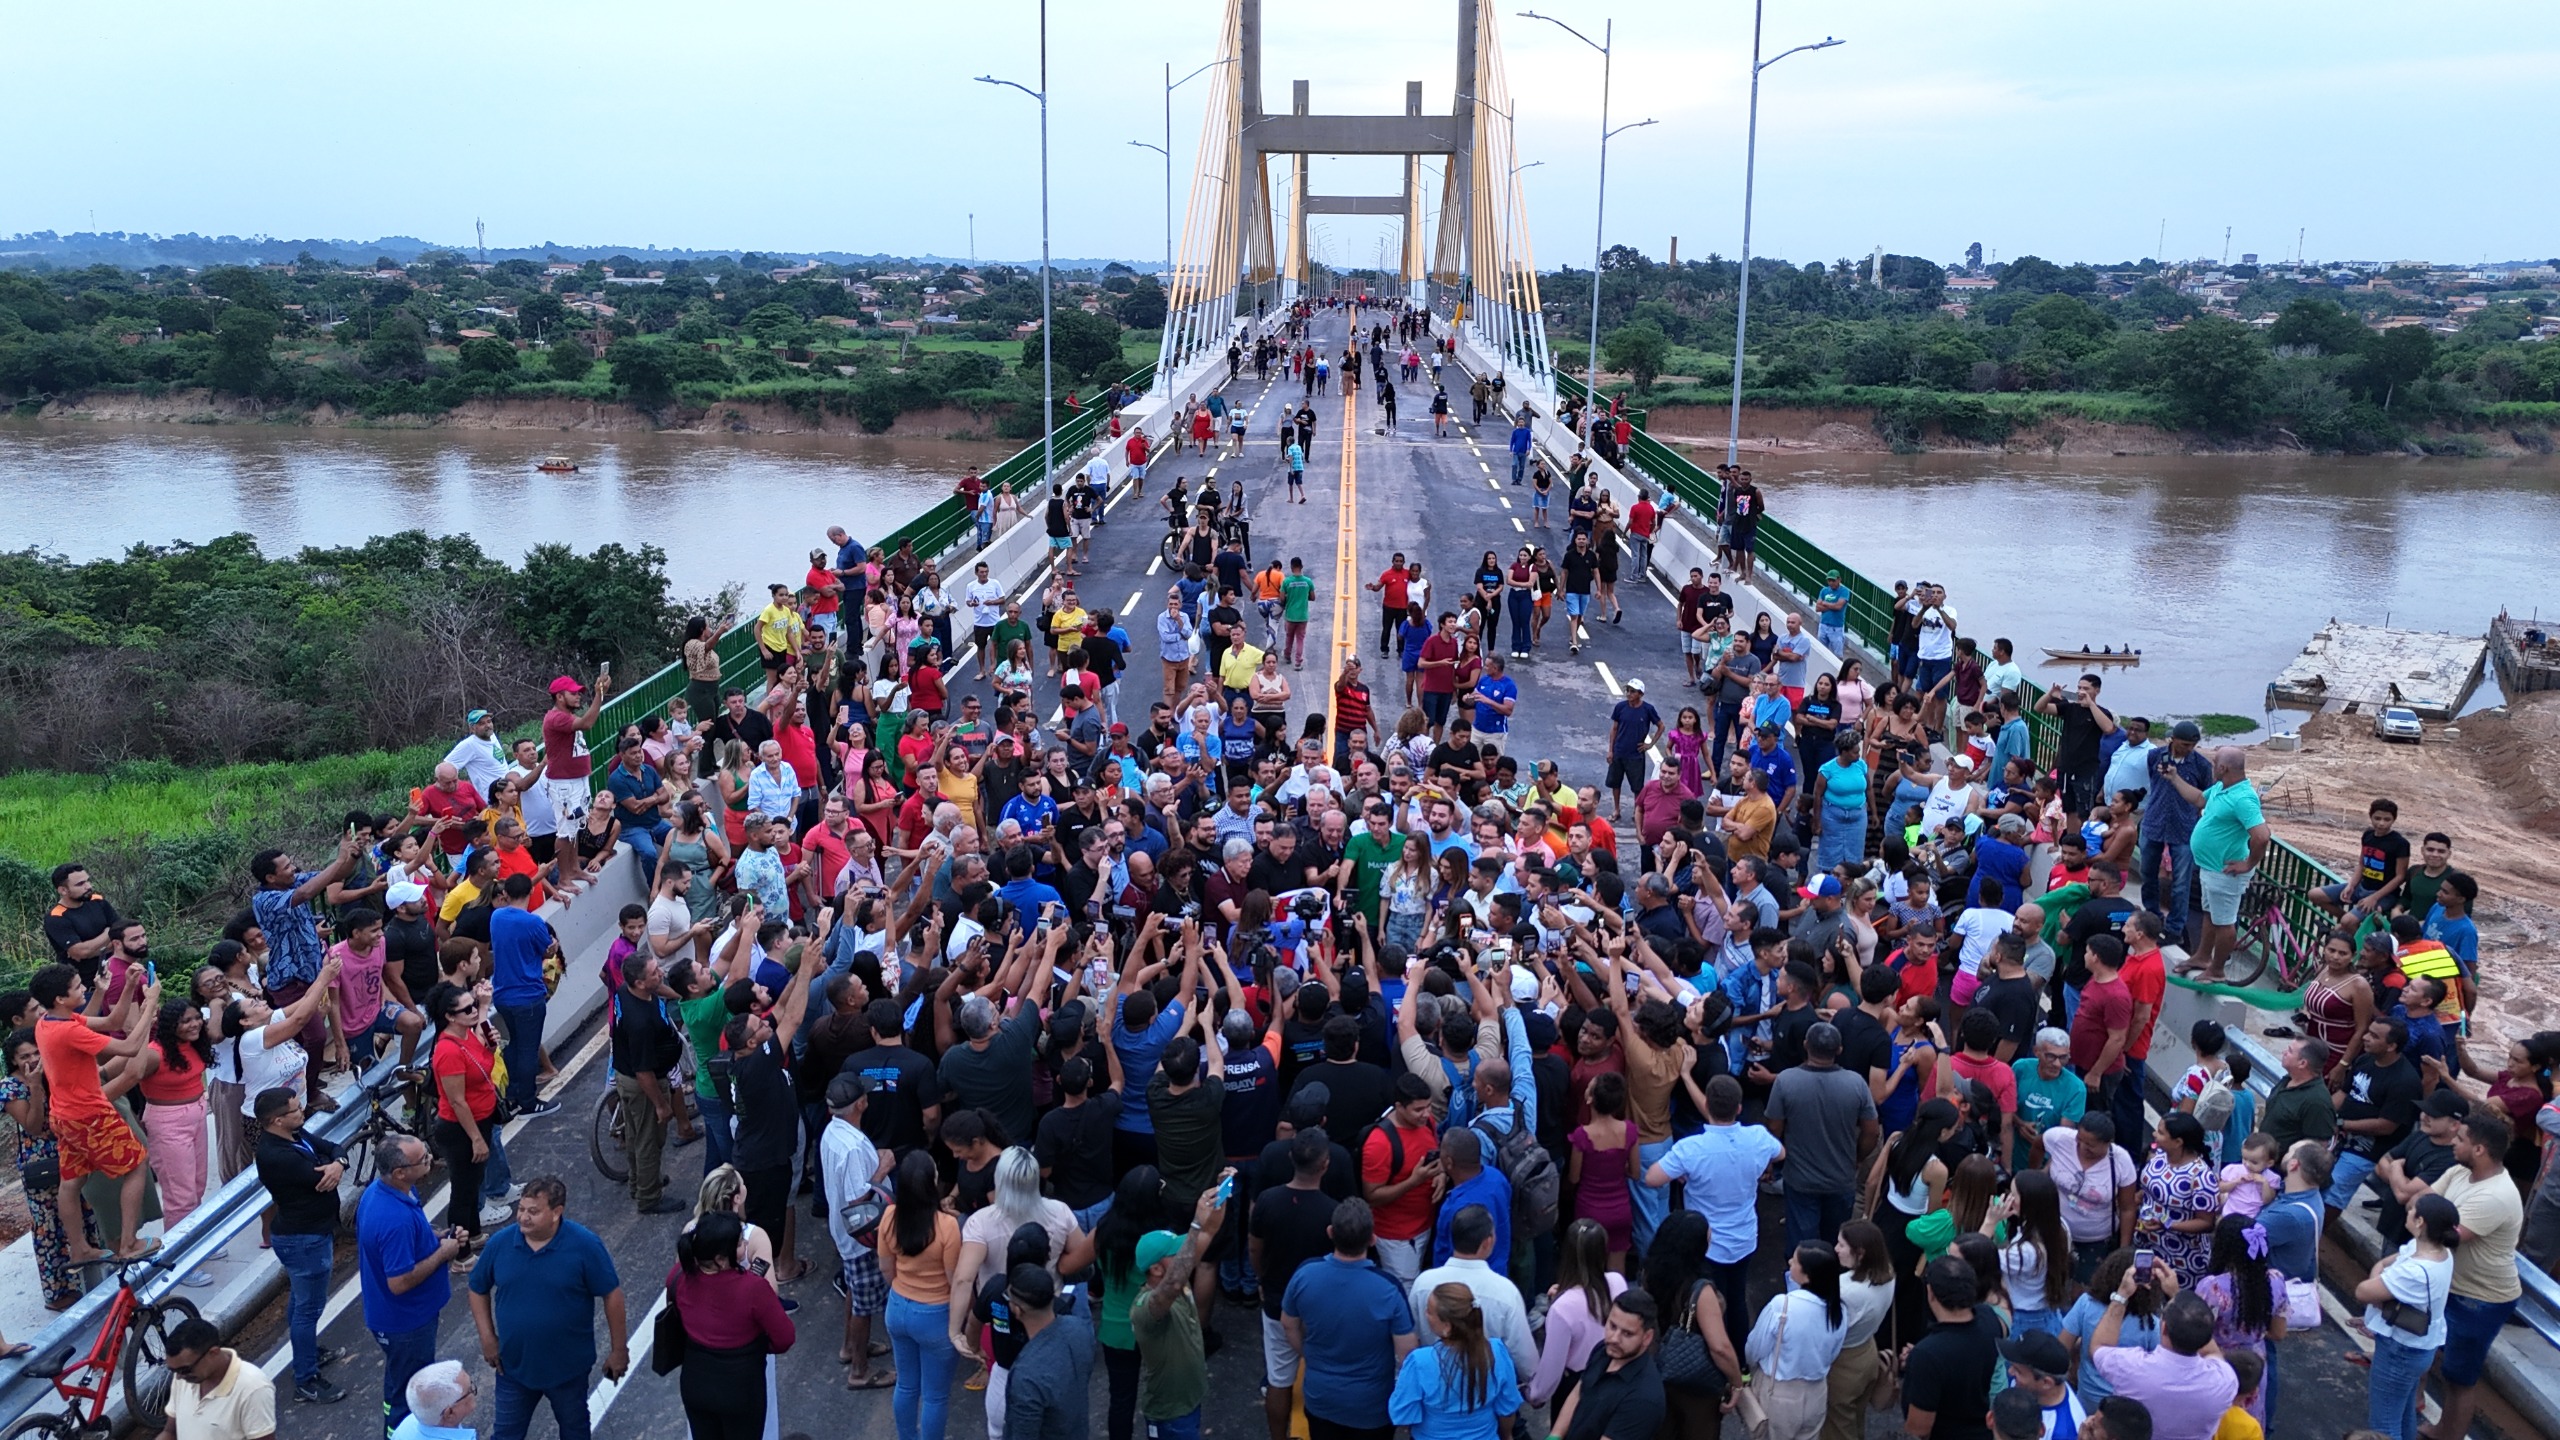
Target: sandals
[(871, 1381)]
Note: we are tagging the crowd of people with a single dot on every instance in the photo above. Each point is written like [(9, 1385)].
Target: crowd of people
[(1069, 1021)]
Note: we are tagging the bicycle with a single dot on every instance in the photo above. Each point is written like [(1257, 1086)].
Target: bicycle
[(605, 1142), (416, 1087), (133, 1338), (2266, 935)]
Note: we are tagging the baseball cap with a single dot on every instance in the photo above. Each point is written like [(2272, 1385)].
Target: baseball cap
[(474, 717), (2187, 730), (1524, 988), (404, 894), (1824, 887), (2444, 1103), (566, 686), (1634, 684), (1119, 731), (1156, 1245), (2036, 1350)]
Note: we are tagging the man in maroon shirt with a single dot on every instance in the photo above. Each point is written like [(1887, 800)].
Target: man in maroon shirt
[(1439, 673), (567, 770)]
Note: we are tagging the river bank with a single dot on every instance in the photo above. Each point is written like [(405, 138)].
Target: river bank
[(2492, 783), (1852, 430), (592, 417)]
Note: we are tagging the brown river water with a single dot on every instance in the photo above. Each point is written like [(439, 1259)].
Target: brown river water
[(2218, 567), (743, 508)]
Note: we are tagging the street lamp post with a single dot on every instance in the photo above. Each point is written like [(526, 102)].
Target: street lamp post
[(1599, 206), (1750, 158), (1048, 312), (1166, 150)]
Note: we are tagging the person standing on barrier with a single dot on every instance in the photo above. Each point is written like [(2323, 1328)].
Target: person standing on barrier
[(301, 1173), (403, 1268)]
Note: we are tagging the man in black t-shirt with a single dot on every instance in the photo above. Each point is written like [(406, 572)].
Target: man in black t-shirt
[(2103, 913), (1359, 1090), (2375, 1110), (906, 1094), (2011, 997), (1074, 1143), (1291, 1226), (2085, 723), (1946, 1382), (736, 722), (645, 1053), (409, 939), (80, 921)]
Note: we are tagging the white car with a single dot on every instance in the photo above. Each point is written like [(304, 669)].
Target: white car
[(2398, 722)]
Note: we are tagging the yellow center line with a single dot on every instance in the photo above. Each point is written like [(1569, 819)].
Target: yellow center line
[(1346, 561)]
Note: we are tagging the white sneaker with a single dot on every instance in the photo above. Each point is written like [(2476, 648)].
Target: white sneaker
[(499, 1214)]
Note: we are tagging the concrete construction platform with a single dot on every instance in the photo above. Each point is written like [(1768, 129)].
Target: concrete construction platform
[(2377, 665)]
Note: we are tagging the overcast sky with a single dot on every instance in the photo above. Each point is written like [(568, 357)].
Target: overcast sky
[(2054, 127)]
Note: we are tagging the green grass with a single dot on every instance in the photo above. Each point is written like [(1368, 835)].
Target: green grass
[(47, 817), (2216, 724)]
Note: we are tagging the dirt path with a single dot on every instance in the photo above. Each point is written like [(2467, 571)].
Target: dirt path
[(2492, 782)]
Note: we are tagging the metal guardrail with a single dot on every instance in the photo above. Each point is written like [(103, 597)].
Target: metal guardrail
[(228, 1213), (932, 535)]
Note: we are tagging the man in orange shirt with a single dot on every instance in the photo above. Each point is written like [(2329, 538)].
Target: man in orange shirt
[(515, 856), (93, 1137), (2147, 976)]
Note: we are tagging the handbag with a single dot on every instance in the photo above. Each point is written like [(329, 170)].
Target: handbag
[(2411, 1319), (1682, 1353), (506, 1110), (1885, 1391), (2301, 1305), (667, 1339), (1752, 1406)]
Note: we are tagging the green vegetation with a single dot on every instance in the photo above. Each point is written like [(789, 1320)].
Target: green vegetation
[(2216, 724), (215, 654), (2271, 353), (387, 341)]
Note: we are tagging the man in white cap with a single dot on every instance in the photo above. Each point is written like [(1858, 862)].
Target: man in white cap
[(478, 755), (567, 772), (1633, 724)]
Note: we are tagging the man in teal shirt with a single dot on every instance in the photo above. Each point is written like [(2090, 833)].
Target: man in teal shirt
[(2048, 1095), (2230, 839), (1297, 594), (1831, 614)]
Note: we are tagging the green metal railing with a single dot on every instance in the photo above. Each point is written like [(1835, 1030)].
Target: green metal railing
[(931, 534), (1802, 567)]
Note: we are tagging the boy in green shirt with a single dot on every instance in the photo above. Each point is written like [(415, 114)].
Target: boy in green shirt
[(1297, 595)]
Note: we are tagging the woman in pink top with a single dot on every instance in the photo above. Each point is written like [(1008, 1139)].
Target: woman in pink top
[(1576, 1308)]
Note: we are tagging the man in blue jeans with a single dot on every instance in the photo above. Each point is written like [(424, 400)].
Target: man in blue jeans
[(2167, 822), (2485, 1287), (402, 1267), (519, 942), (1520, 447), (301, 1173), (1826, 1118), (533, 1297)]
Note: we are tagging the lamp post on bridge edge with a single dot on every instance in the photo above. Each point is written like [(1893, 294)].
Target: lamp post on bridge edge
[(1048, 311), (1166, 150), (1750, 158), (1600, 205)]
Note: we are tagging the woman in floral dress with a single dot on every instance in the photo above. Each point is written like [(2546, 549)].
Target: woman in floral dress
[(22, 1091), (2179, 1199)]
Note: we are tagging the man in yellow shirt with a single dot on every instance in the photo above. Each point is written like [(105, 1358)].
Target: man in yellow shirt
[(1236, 667), (779, 631), (482, 875), (1753, 819), (1066, 624)]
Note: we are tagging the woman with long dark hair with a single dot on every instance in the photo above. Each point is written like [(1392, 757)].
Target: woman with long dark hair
[(2521, 1088), (1908, 1181), (173, 1111), (1675, 1274), (2404, 1299), (1796, 1341), (919, 1249), (2246, 1293), (1460, 1386), (1136, 1208), (1585, 1284), (732, 1321), (1866, 1291), (2035, 1253)]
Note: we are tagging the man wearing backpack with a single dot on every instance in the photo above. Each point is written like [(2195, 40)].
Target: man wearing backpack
[(1506, 1117), (1400, 1176)]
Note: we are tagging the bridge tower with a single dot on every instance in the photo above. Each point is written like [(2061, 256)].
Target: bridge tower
[(1475, 267)]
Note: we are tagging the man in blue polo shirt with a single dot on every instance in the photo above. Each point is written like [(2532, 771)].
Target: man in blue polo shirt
[(401, 1269), (533, 1295), (1352, 1358), (1496, 696)]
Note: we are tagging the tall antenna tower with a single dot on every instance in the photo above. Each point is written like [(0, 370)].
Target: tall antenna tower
[(1875, 268), (2160, 251), (973, 239), (2297, 243), (482, 228), (2226, 244)]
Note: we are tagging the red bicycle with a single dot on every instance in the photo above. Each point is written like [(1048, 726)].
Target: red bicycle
[(133, 1338)]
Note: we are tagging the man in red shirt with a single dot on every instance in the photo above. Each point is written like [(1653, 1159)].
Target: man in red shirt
[(2146, 979), (1394, 594), (567, 771), (515, 857), (1400, 1178), (1642, 520), (828, 844), (1917, 963), (2102, 1024), (451, 798), (1136, 450), (826, 592), (92, 1137), (915, 817), (1439, 673)]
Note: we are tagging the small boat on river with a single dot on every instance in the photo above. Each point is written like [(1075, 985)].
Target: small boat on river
[(557, 465), (2103, 655)]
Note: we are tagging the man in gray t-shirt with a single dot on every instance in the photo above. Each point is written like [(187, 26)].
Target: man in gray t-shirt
[(1827, 1118)]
